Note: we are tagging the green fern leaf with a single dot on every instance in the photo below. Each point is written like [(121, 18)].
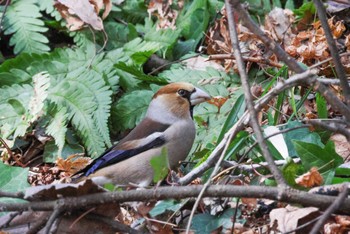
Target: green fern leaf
[(130, 109), (57, 126), (22, 20), (13, 105), (88, 101), (41, 83)]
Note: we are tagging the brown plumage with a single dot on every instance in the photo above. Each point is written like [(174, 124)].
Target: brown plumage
[(168, 123)]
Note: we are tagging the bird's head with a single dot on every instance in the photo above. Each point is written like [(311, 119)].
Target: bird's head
[(175, 101)]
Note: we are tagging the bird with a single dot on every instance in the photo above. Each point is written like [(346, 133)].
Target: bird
[(168, 123)]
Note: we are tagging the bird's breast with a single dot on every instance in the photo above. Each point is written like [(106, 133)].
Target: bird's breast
[(180, 137)]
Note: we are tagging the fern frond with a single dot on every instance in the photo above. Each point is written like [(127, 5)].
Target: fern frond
[(130, 109), (41, 83), (88, 102), (57, 126), (14, 101), (22, 20)]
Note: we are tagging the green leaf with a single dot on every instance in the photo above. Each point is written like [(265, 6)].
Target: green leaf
[(17, 106), (321, 104), (206, 223), (290, 171), (301, 134), (289, 5), (312, 155), (236, 112), (130, 109), (165, 37), (22, 20), (236, 145), (194, 21), (160, 166), (13, 179), (166, 205), (306, 8), (137, 74)]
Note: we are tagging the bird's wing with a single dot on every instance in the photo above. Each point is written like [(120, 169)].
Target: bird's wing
[(135, 143)]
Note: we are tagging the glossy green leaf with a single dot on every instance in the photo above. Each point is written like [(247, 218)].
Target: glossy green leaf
[(160, 166), (321, 104), (236, 112), (312, 155)]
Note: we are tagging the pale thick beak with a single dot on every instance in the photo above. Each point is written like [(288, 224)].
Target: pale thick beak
[(199, 96)]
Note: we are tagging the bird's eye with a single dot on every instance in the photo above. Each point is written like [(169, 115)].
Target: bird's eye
[(182, 92)]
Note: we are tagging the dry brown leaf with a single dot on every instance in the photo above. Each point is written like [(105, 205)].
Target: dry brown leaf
[(332, 228), (77, 13), (72, 164), (310, 179), (342, 146), (164, 12), (218, 101), (290, 218)]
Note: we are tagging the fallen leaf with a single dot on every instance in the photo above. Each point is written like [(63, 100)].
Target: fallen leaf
[(342, 146), (83, 10), (310, 179), (289, 218)]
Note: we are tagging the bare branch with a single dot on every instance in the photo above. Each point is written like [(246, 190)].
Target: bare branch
[(178, 192), (335, 205), (321, 12)]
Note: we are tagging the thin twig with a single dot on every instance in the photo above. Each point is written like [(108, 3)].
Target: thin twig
[(207, 183), (327, 60), (250, 59), (292, 63), (12, 195), (248, 96), (335, 205), (303, 225), (229, 165), (54, 215), (281, 86), (12, 216), (178, 192), (274, 134), (331, 126), (321, 12)]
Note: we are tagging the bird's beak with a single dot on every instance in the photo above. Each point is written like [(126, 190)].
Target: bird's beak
[(199, 96)]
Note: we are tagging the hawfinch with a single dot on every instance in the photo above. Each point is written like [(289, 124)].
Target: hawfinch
[(168, 123)]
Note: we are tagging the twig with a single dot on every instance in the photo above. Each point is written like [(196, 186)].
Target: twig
[(12, 216), (12, 195), (303, 225), (249, 167), (327, 60), (179, 192), (274, 134), (37, 226), (276, 48), (249, 99), (321, 12), (251, 59), (206, 185), (328, 81), (239, 125), (54, 215), (335, 205), (235, 216), (292, 63), (330, 125)]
